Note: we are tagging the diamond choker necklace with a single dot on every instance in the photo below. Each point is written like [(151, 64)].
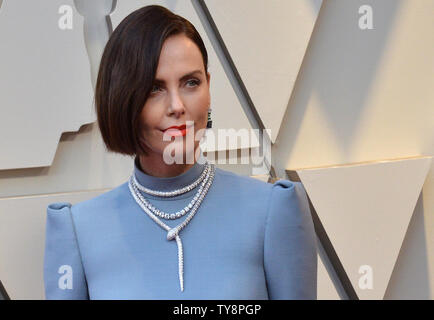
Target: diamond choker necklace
[(205, 180)]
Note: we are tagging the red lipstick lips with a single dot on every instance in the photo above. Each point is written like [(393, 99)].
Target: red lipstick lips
[(176, 127), (176, 130)]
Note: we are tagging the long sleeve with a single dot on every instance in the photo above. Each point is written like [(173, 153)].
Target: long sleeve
[(64, 277), (290, 250)]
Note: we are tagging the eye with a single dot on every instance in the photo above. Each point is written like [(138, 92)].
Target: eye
[(155, 86), (193, 82)]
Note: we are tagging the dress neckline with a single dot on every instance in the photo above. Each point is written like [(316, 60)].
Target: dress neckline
[(169, 183)]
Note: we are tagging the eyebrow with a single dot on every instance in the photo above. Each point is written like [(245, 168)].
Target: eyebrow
[(182, 78)]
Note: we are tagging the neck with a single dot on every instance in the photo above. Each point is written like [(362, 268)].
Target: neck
[(156, 167)]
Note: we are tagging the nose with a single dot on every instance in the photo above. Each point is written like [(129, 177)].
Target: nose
[(176, 105)]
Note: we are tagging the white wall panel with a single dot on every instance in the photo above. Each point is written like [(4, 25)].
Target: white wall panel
[(45, 86), (81, 163), (366, 209), (267, 41)]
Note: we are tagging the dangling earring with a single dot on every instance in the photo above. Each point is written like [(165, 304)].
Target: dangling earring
[(209, 123)]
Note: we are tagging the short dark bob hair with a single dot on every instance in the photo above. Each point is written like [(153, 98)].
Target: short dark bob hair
[(127, 72)]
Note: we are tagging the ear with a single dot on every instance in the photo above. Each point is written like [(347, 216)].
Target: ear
[(208, 77)]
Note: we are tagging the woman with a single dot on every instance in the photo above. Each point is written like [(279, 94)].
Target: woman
[(174, 230)]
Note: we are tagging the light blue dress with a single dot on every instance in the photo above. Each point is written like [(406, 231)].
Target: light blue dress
[(248, 240)]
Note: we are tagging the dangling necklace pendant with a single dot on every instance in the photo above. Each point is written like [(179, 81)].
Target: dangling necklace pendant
[(172, 233)]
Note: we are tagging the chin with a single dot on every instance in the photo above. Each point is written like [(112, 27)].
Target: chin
[(176, 150)]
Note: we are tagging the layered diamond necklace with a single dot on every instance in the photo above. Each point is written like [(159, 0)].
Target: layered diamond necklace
[(205, 180)]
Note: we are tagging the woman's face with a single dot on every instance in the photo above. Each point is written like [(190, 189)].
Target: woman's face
[(180, 93)]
